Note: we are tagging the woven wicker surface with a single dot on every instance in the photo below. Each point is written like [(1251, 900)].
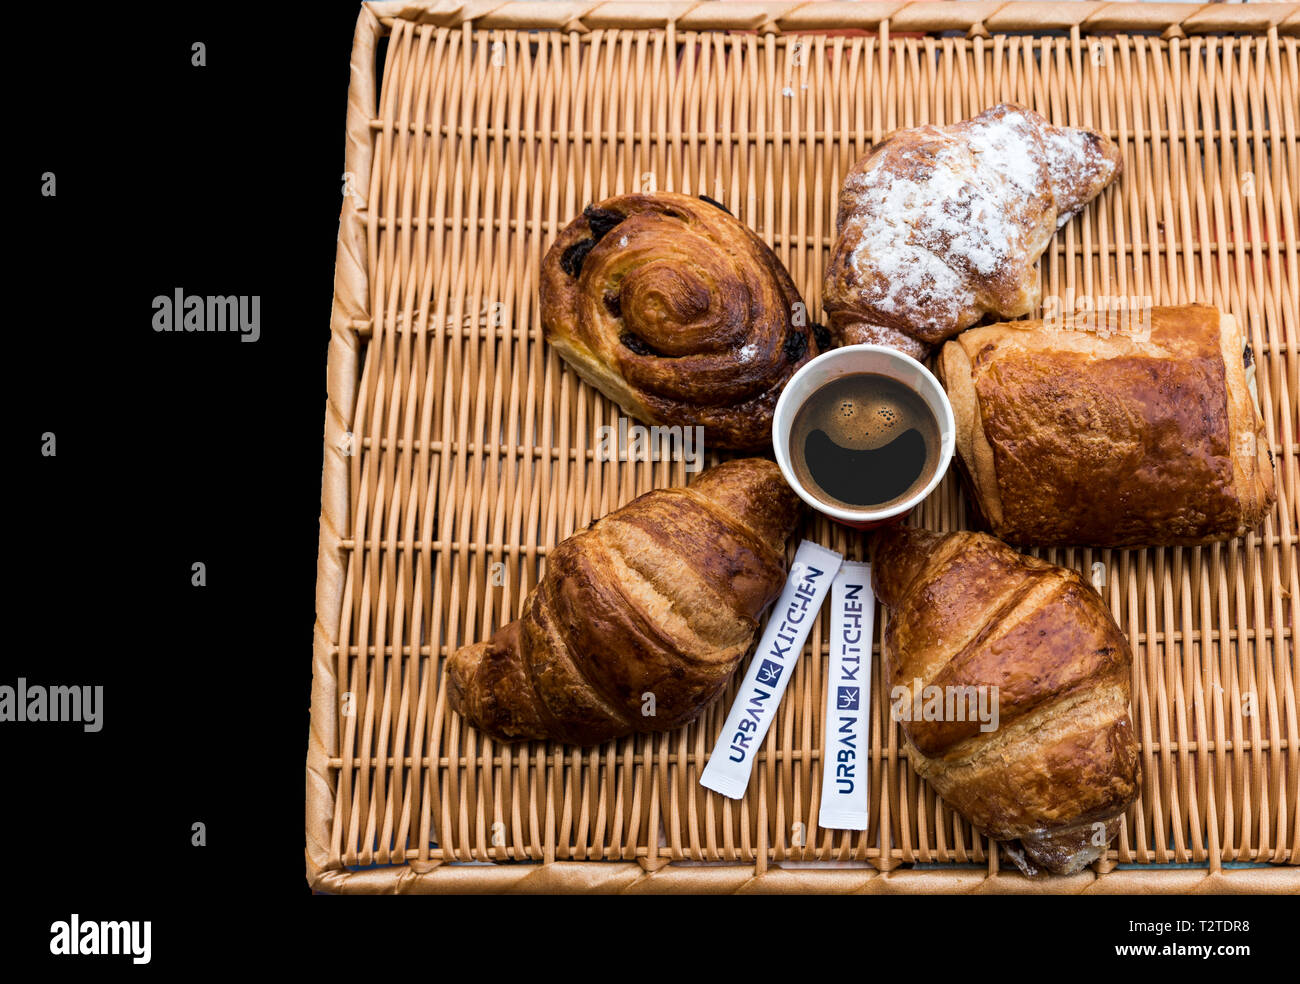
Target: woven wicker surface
[(459, 449)]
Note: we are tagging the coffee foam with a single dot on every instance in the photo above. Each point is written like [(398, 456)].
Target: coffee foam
[(863, 412)]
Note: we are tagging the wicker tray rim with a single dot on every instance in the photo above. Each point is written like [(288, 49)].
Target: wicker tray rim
[(972, 16)]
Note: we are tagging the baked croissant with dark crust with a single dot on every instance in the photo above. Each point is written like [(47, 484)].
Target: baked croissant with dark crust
[(940, 225), (641, 618), (677, 312), (1060, 766)]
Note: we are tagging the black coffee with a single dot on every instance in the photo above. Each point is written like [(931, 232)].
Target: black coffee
[(864, 441)]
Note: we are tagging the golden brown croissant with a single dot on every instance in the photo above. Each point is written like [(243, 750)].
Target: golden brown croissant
[(678, 313), (1060, 766), (641, 618), (1146, 436), (940, 225)]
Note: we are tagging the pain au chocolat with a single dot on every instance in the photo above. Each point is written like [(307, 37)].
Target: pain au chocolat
[(1070, 434)]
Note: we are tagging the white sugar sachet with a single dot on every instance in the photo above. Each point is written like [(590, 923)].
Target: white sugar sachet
[(770, 670), (848, 700)]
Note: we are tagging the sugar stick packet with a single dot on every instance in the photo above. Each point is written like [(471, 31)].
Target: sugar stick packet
[(848, 700), (769, 672)]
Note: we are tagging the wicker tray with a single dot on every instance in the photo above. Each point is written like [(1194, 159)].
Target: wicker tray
[(458, 448)]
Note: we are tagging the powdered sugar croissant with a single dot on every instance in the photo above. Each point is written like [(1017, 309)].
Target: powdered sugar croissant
[(940, 225)]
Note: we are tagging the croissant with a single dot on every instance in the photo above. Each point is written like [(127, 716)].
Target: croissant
[(641, 618), (678, 313), (1060, 765), (940, 225), (1070, 432)]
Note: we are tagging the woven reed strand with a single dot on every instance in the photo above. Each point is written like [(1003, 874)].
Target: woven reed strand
[(472, 445)]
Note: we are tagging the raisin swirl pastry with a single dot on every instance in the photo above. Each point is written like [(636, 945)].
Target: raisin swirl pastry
[(677, 312)]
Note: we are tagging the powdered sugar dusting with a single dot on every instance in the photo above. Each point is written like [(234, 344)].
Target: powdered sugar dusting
[(935, 216), (1064, 154), (940, 224), (1009, 145), (1074, 168)]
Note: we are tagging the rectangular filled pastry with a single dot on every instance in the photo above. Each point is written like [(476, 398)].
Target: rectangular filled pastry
[(1071, 436)]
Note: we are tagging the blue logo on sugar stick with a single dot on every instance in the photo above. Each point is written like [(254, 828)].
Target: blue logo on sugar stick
[(769, 673), (848, 699)]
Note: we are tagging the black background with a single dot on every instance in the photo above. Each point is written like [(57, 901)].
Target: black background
[(178, 448), (172, 448)]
